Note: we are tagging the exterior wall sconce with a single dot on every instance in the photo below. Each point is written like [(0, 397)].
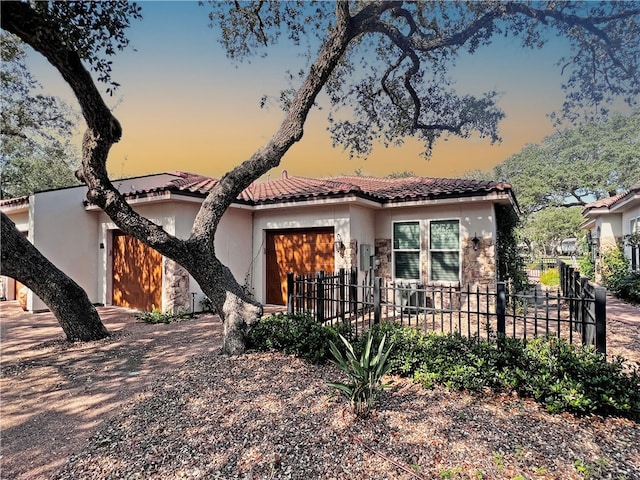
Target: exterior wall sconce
[(475, 241), (340, 247)]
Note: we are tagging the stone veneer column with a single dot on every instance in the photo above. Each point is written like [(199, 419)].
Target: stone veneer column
[(478, 266), (175, 287), (383, 256)]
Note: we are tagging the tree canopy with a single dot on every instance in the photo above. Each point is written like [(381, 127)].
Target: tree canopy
[(393, 79), (577, 165), (35, 129)]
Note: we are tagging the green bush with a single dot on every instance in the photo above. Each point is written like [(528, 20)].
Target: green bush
[(614, 267), (561, 376), (629, 288), (550, 277), (156, 316), (298, 335), (587, 267)]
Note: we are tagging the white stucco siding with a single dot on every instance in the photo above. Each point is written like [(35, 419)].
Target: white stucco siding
[(233, 243), (61, 229), (21, 219), (610, 229), (308, 216), (627, 217)]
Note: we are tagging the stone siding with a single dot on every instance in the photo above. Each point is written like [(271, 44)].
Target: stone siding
[(175, 288)]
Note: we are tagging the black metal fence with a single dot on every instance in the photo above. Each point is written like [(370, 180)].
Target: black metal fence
[(578, 315)]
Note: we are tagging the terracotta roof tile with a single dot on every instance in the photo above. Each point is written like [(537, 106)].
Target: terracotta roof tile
[(14, 202), (300, 188), (608, 202)]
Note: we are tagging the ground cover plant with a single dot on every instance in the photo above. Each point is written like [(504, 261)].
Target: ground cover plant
[(558, 375)]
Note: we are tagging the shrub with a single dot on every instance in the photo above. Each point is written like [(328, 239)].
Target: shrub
[(629, 287), (561, 376), (550, 277), (365, 373), (298, 335), (587, 267), (156, 316), (614, 267)]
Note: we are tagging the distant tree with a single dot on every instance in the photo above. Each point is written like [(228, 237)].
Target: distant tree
[(577, 165), (544, 230), (35, 129), (404, 174), (387, 61)]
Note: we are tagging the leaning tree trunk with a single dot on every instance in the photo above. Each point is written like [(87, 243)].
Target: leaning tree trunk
[(237, 310), (68, 302)]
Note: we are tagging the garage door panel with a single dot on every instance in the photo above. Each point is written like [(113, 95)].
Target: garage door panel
[(137, 274), (300, 251)]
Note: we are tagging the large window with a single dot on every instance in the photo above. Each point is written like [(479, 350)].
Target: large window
[(406, 250), (444, 248)]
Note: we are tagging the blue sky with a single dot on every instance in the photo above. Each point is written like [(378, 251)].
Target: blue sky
[(184, 106)]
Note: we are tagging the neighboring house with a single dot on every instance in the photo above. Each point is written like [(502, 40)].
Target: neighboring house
[(610, 220), (418, 230)]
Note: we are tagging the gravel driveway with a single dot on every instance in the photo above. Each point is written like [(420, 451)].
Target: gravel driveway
[(157, 401)]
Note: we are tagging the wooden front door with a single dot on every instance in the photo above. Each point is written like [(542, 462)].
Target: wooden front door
[(299, 251), (137, 274)]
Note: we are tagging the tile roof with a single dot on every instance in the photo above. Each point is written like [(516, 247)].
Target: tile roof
[(301, 188), (14, 202), (609, 202), (287, 188), (380, 189)]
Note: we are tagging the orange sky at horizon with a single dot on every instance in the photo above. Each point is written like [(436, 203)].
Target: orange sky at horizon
[(184, 106)]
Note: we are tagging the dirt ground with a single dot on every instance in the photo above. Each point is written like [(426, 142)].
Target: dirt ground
[(54, 395)]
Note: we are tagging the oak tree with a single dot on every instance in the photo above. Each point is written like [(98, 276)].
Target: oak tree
[(576, 165), (386, 62), (35, 129)]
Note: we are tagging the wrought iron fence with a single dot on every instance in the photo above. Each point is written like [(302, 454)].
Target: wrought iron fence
[(579, 315)]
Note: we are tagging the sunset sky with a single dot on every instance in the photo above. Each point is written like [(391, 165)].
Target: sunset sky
[(184, 106)]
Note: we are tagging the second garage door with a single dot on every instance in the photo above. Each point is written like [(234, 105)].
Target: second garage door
[(137, 274), (298, 251)]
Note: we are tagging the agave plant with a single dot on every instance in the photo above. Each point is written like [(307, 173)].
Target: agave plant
[(365, 373)]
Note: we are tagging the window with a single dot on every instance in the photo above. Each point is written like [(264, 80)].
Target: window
[(406, 250), (444, 247)]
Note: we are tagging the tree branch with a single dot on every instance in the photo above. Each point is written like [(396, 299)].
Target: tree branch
[(103, 129)]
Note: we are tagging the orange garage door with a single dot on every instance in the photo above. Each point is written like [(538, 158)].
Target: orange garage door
[(137, 274), (298, 251)]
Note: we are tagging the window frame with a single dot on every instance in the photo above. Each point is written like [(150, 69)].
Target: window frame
[(395, 250), (458, 251)]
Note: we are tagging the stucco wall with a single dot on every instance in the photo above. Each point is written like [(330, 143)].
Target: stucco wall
[(60, 228)]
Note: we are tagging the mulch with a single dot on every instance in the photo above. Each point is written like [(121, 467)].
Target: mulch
[(158, 401)]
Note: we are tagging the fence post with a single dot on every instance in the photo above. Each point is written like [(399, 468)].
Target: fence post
[(588, 329), (320, 295), (290, 296), (342, 280), (353, 290), (600, 295), (377, 312), (501, 308)]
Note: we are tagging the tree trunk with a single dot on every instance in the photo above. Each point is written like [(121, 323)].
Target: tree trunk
[(64, 297), (237, 310)]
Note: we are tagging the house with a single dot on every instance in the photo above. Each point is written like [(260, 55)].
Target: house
[(414, 230), (609, 221)]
